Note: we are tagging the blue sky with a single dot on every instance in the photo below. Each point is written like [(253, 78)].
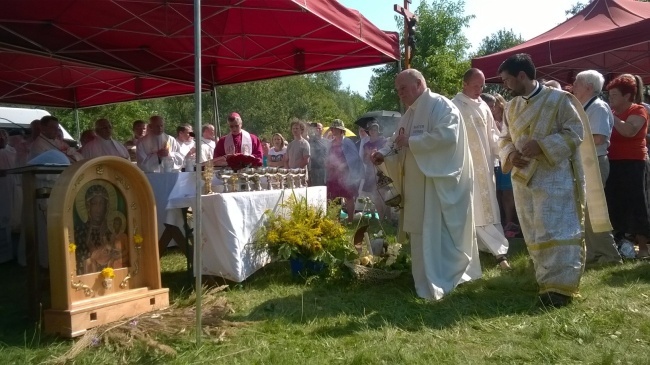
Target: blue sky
[(491, 16)]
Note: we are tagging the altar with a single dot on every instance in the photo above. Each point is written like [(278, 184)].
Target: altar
[(230, 221)]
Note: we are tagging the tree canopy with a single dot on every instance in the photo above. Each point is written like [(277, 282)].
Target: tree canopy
[(266, 107)]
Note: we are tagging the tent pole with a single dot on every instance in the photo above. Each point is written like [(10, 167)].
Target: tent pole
[(75, 111), (76, 120), (197, 206), (216, 110)]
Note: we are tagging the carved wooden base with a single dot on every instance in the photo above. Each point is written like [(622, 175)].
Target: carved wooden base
[(94, 312)]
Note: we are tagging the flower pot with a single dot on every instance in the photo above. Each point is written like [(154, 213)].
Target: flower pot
[(301, 266)]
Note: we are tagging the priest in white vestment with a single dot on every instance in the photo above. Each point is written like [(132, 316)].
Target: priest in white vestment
[(482, 135), (548, 146), (429, 159), (207, 142), (156, 146), (48, 139), (104, 144), (186, 143), (139, 128)]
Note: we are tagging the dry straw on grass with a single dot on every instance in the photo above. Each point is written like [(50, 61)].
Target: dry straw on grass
[(144, 329)]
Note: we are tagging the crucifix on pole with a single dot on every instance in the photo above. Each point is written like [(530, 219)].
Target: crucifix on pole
[(410, 21)]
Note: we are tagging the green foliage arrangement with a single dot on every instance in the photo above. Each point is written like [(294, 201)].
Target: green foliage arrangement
[(298, 229)]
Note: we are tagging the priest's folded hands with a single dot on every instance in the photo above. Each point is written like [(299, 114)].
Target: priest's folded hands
[(518, 160)]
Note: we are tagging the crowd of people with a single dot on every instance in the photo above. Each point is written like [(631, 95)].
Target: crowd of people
[(565, 169)]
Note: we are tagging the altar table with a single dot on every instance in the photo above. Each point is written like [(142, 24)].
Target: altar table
[(162, 185), (229, 223)]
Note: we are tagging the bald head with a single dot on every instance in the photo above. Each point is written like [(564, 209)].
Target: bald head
[(103, 128), (473, 83), (410, 84), (156, 125)]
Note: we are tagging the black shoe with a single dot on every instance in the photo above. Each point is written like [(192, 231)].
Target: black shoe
[(555, 300)]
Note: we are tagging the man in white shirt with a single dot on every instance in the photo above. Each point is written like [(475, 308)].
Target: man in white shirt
[(185, 139), (139, 129), (104, 144), (207, 142), (601, 248), (156, 146)]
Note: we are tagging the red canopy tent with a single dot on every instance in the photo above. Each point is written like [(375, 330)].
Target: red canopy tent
[(610, 36), (44, 81), (242, 40)]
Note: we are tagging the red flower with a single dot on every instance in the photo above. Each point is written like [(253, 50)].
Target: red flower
[(239, 161)]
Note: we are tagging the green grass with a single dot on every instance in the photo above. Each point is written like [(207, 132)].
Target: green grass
[(495, 320)]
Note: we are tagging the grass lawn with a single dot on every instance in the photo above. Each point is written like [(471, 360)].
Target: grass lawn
[(495, 320)]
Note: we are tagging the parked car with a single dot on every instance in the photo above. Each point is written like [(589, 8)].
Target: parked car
[(17, 121), (387, 120)]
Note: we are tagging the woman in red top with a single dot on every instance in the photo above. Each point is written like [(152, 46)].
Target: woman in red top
[(627, 153)]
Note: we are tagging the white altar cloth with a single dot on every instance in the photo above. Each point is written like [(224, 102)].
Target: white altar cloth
[(162, 185), (229, 223)]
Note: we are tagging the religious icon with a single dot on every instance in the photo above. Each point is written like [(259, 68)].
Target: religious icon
[(99, 228)]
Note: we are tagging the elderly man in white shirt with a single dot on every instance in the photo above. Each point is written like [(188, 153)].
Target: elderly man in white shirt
[(104, 144), (157, 146), (600, 247), (207, 142)]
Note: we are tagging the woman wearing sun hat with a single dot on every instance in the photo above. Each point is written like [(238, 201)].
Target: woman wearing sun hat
[(344, 168)]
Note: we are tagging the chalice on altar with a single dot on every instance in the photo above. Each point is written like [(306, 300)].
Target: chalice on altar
[(207, 175), (291, 178), (233, 182), (302, 178), (271, 173), (260, 172), (244, 182), (225, 175), (282, 175)]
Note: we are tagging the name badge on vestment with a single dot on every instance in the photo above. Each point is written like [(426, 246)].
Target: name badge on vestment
[(417, 130)]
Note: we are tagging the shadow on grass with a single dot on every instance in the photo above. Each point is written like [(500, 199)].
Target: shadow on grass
[(16, 328), (351, 306), (622, 276)]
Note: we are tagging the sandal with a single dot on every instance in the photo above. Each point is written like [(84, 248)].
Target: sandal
[(502, 262)]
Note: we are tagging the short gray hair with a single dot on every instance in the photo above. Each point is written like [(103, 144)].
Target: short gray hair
[(593, 78)]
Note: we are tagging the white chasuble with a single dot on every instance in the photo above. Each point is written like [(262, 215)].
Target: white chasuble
[(482, 137), (550, 192), (104, 147), (434, 176), (147, 152)]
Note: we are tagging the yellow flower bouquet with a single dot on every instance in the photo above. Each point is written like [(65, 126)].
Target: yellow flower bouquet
[(108, 274), (300, 230)]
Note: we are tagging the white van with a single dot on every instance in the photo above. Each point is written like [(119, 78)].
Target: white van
[(17, 121)]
